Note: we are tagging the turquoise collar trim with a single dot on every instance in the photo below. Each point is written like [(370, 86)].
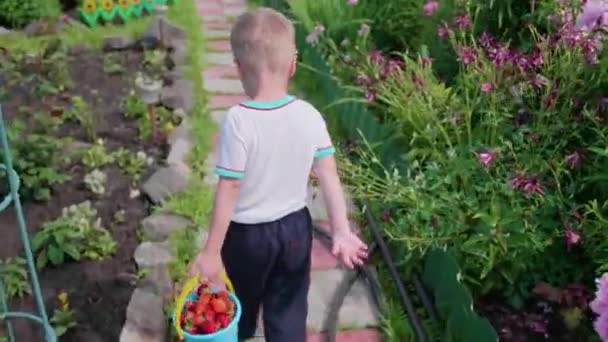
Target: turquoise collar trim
[(263, 105)]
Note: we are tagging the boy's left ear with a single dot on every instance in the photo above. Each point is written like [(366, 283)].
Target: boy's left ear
[(294, 65)]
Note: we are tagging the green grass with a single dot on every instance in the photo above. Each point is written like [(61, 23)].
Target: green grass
[(194, 203), (75, 35)]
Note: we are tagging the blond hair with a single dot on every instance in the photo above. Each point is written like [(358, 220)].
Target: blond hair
[(262, 38)]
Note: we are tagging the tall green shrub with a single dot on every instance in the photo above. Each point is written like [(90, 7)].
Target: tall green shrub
[(18, 13)]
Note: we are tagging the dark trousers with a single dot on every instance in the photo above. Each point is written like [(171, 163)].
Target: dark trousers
[(269, 266)]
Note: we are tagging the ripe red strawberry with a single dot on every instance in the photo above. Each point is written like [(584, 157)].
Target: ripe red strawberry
[(189, 306), (219, 305), (223, 320), (199, 321), (203, 287), (209, 315), (208, 328), (199, 308), (205, 298)]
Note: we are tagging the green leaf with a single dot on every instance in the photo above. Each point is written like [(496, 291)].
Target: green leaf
[(72, 251), (55, 254)]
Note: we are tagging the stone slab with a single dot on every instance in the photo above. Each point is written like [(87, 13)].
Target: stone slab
[(145, 313), (217, 25), (362, 335), (219, 45), (223, 86), (235, 10), (152, 254), (216, 34), (158, 227), (165, 182), (316, 204), (322, 259), (358, 310), (221, 71), (219, 58)]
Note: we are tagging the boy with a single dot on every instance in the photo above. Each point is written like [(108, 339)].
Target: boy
[(261, 229)]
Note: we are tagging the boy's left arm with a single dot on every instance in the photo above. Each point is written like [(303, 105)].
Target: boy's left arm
[(209, 261)]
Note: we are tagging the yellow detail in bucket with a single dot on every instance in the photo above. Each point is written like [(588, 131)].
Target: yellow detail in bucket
[(187, 290)]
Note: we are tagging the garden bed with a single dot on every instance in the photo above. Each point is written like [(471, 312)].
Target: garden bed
[(39, 94)]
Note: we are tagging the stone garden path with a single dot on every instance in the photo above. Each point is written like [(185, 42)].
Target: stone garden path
[(358, 317)]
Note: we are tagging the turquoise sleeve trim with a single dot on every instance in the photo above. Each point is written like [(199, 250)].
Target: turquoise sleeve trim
[(324, 152), (229, 173)]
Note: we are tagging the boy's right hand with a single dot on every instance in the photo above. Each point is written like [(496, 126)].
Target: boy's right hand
[(208, 265)]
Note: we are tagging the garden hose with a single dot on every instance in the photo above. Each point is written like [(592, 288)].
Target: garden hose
[(404, 297), (330, 325)]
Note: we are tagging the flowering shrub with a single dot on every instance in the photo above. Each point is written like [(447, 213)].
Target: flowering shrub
[(506, 164)]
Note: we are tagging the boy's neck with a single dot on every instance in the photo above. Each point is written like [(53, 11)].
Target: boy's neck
[(269, 95)]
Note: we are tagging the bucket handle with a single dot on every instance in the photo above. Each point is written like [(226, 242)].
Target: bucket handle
[(186, 290)]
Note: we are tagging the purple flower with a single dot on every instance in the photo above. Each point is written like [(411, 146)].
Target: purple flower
[(529, 184), (370, 95), (314, 35), (430, 7), (425, 61), (601, 327), (363, 80), (486, 40), (462, 22), (500, 55), (572, 236), (352, 2), (536, 58), (538, 81), (486, 158), (376, 56), (391, 66), (363, 30), (486, 87), (594, 14), (574, 159), (443, 31), (600, 304), (466, 54)]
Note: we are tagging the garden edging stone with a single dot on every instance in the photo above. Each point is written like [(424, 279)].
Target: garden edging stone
[(150, 254), (164, 183), (158, 227)]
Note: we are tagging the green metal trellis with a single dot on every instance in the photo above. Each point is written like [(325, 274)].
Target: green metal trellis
[(6, 165)]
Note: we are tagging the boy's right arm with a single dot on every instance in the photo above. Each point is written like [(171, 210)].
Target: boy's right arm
[(346, 244)]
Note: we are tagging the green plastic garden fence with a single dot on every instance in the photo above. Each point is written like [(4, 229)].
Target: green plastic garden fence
[(93, 12), (6, 167)]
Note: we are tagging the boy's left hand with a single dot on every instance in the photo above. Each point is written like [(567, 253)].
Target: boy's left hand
[(349, 248)]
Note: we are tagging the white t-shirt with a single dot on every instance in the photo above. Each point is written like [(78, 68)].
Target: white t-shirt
[(271, 147)]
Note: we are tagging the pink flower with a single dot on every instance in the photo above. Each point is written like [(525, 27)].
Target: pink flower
[(352, 2), (572, 236), (443, 31), (314, 35), (487, 87), (601, 327), (370, 95), (529, 184), (430, 7), (376, 56), (462, 22), (466, 54), (600, 304), (594, 13), (574, 159), (486, 158)]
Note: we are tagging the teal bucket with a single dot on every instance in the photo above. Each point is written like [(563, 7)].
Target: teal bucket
[(228, 334)]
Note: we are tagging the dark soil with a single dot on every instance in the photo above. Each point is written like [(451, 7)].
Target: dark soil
[(98, 291), (539, 321)]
